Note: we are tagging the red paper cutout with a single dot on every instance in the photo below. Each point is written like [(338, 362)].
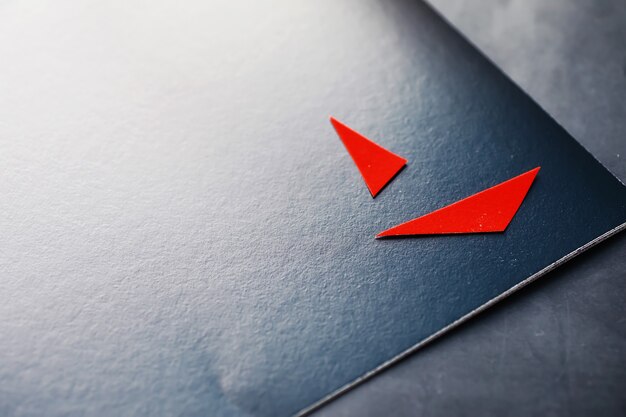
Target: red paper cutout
[(490, 210), (376, 164)]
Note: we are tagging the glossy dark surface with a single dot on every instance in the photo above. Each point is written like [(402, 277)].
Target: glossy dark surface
[(184, 233)]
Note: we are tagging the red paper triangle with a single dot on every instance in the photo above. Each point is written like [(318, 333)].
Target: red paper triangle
[(490, 210), (376, 164)]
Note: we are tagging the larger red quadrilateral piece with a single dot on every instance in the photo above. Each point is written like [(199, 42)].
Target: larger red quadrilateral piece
[(490, 210)]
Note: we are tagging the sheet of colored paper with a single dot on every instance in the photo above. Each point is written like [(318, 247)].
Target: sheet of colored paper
[(183, 233)]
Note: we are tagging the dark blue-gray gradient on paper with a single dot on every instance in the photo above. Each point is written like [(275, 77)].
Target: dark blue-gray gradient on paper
[(184, 234)]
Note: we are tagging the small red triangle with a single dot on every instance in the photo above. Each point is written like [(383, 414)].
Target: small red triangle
[(490, 210), (376, 164)]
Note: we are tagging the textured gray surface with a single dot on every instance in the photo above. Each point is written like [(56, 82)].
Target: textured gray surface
[(108, 227), (557, 348), (569, 55)]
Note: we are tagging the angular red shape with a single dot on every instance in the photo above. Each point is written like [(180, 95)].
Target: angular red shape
[(490, 210), (376, 164)]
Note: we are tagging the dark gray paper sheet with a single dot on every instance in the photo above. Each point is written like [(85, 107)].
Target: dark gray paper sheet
[(184, 234)]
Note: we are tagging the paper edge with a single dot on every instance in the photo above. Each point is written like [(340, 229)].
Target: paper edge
[(387, 364)]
